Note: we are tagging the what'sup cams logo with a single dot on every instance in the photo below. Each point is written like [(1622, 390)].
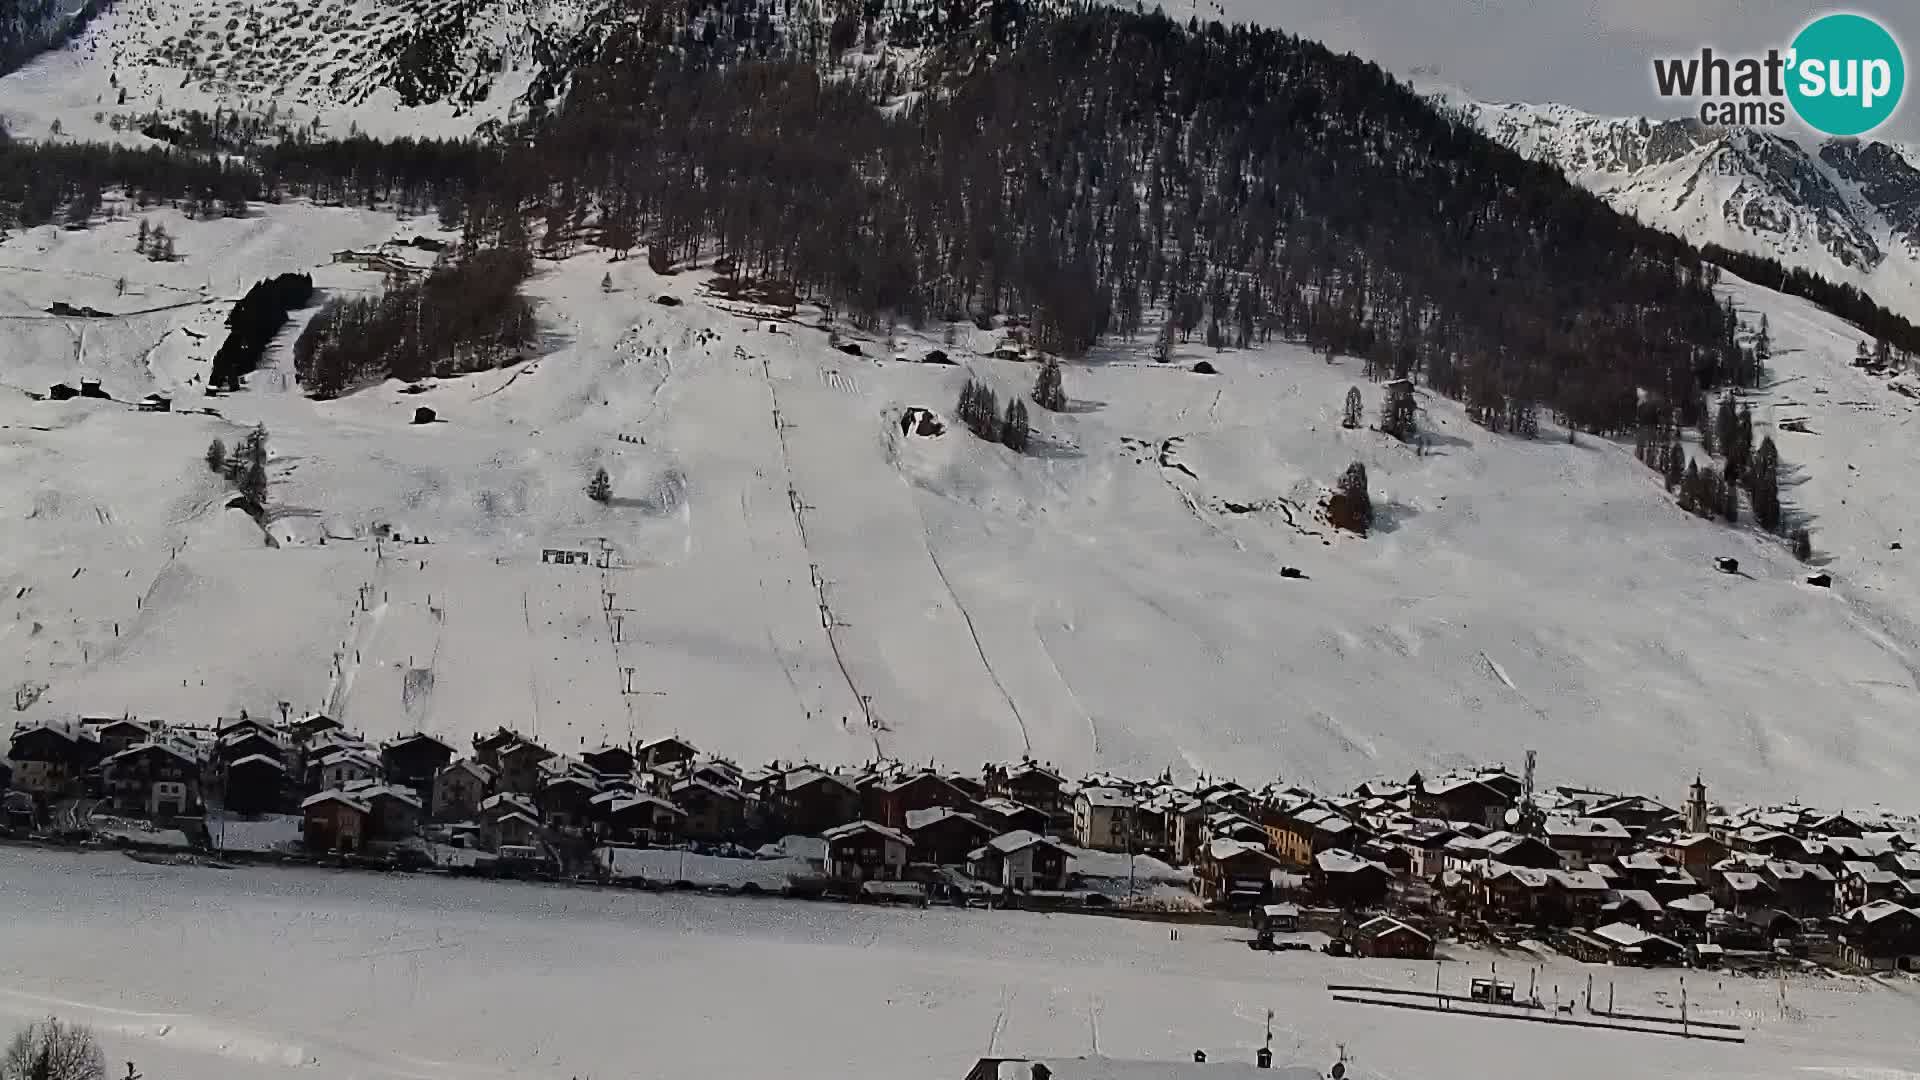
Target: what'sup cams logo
[(1843, 75)]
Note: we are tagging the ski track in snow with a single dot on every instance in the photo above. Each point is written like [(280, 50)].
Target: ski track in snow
[(1568, 563)]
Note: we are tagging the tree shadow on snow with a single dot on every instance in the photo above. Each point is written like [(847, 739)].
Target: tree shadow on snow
[(1078, 407), (1389, 516), (1049, 450)]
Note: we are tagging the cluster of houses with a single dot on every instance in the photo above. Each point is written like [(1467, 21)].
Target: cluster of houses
[(1606, 877)]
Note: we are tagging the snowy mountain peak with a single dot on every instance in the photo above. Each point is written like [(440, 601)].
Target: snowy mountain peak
[(1846, 209)]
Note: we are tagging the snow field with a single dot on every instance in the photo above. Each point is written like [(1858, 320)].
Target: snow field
[(267, 973)]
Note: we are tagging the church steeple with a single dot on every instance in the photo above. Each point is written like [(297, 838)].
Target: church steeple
[(1697, 806)]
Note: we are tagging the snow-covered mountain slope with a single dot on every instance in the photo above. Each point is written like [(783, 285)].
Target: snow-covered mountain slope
[(1848, 210), (388, 67), (778, 550)]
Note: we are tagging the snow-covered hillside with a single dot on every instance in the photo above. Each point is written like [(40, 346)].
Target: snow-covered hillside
[(386, 67), (777, 549), (1846, 209)]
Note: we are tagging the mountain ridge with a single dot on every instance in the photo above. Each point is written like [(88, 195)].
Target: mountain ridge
[(1847, 210)]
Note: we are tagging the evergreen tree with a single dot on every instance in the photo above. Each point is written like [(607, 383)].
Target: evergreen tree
[(216, 456), (1350, 415), (1763, 485), (1674, 472), (1802, 544), (979, 410), (1690, 489), (1526, 419), (247, 467), (140, 239), (606, 283), (1397, 409), (1049, 390), (1351, 507), (1728, 496), (600, 487), (1763, 342), (1013, 429)]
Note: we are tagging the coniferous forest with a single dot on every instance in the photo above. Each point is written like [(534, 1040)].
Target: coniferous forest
[(1091, 169)]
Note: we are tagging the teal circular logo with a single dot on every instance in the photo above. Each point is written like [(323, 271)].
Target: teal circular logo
[(1847, 74)]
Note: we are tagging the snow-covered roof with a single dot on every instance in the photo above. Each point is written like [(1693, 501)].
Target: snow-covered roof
[(1628, 936), (1880, 910), (1223, 849), (1601, 827), (623, 803), (337, 796), (1645, 861), (389, 791), (805, 777), (711, 788), (855, 828), (1383, 924), (260, 759), (1641, 899), (1336, 861), (571, 780), (415, 737), (518, 816), (1867, 873), (166, 747), (1525, 875), (480, 772), (1742, 881), (1108, 798), (510, 799), (1020, 840), (1578, 880), (920, 819), (1696, 904)]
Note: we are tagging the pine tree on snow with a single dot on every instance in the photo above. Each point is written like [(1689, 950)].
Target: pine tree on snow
[(1763, 485), (1352, 507), (216, 456), (1013, 429), (1350, 416), (600, 488), (1049, 391)]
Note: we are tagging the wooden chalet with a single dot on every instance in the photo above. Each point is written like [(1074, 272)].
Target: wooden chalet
[(866, 851), (944, 836)]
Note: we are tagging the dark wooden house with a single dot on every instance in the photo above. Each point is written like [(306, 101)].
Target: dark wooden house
[(812, 801), (866, 851), (256, 785), (160, 779), (1384, 936), (413, 761), (887, 802), (335, 821), (945, 836)]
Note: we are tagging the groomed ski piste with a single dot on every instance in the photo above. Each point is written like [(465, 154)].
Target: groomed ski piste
[(265, 973), (783, 572)]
